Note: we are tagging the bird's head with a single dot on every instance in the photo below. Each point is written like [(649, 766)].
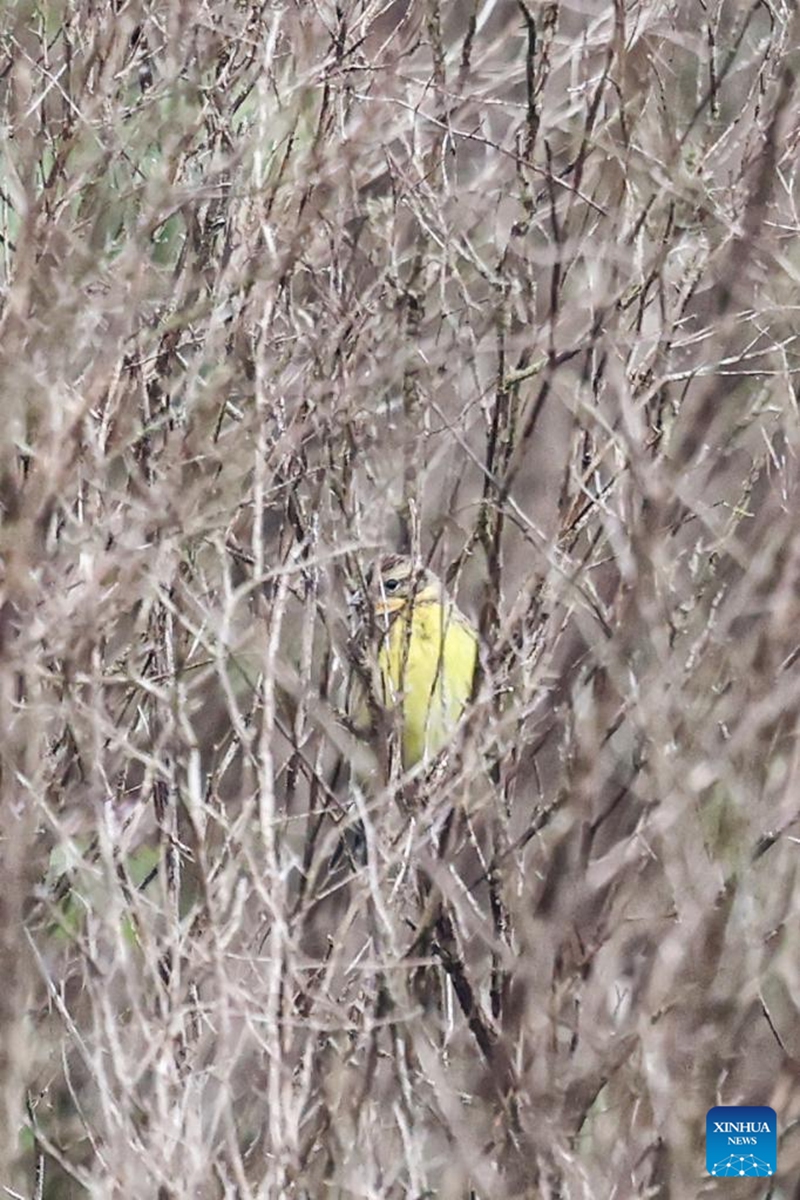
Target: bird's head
[(395, 581)]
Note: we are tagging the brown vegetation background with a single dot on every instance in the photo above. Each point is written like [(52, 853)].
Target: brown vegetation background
[(512, 285)]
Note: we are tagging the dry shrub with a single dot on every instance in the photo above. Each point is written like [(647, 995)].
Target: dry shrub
[(509, 284)]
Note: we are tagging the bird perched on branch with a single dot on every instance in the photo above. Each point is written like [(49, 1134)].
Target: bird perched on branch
[(426, 654)]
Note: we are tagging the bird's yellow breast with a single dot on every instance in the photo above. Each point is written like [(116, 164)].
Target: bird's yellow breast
[(427, 667)]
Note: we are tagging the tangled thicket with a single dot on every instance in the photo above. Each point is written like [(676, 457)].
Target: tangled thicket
[(511, 285)]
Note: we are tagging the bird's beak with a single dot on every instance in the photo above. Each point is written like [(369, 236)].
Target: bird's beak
[(384, 607)]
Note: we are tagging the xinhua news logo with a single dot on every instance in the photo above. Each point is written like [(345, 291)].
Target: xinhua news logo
[(741, 1140)]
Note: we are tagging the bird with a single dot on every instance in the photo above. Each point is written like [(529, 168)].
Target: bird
[(426, 652)]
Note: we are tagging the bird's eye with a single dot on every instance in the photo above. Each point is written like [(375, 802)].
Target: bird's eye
[(391, 585)]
